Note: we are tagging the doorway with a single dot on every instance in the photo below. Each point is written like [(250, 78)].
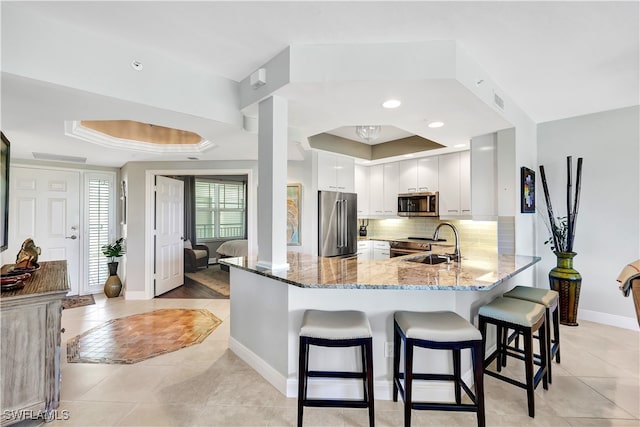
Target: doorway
[(150, 213), (55, 207)]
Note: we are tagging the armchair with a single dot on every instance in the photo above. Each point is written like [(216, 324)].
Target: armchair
[(195, 256)]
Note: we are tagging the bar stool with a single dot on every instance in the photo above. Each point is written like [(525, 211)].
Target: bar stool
[(336, 329), (526, 318), (549, 299), (441, 330)]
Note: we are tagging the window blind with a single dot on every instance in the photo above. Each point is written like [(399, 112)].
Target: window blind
[(99, 196), (220, 209)]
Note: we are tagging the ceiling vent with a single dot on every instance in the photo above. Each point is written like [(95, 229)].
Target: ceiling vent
[(499, 102), (59, 157)]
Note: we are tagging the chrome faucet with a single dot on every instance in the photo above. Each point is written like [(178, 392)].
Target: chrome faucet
[(456, 254)]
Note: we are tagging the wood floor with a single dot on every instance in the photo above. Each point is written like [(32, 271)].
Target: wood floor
[(192, 290)]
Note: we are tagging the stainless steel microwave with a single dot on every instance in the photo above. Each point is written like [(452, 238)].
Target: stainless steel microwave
[(418, 204)]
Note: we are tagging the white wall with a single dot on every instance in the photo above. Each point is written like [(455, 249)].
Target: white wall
[(139, 254), (302, 172), (608, 223)]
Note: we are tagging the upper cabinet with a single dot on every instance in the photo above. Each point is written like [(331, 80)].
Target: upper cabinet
[(335, 173), (454, 184), (418, 176), (362, 189), (383, 193), (428, 168), (484, 177)]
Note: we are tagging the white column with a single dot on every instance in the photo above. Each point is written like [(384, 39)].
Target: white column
[(272, 183)]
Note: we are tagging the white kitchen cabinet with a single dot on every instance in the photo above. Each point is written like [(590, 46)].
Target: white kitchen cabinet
[(428, 174), (361, 185), (408, 176), (465, 183), (484, 177), (364, 249), (390, 188), (335, 173), (376, 183), (380, 249), (418, 176), (383, 189), (454, 184)]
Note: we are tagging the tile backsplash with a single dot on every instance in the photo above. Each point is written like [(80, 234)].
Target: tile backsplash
[(476, 233)]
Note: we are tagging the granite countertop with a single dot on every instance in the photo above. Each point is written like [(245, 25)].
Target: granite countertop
[(474, 273)]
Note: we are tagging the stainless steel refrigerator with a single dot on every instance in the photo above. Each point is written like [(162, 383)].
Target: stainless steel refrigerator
[(337, 223)]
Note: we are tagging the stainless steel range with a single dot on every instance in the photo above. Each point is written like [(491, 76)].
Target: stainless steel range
[(410, 246)]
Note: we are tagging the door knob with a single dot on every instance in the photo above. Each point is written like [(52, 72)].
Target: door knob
[(72, 237)]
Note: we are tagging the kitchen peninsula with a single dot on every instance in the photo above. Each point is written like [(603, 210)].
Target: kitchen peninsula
[(267, 308)]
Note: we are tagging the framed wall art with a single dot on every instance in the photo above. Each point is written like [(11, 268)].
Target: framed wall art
[(527, 190), (4, 192), (294, 206)]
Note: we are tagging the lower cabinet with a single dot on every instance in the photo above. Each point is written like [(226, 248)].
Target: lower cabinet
[(364, 249), (380, 249)]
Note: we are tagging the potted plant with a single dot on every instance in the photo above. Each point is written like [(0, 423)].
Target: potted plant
[(564, 278), (113, 285)]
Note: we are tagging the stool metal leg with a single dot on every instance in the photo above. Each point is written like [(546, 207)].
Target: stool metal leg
[(408, 380), (547, 341), (544, 351), (477, 359), (556, 334), (500, 346), (303, 368), (368, 348), (456, 375), (396, 360), (528, 363)]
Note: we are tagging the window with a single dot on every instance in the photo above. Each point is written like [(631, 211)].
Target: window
[(99, 225), (220, 210)]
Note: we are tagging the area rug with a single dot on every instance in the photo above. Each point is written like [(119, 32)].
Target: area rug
[(134, 338), (77, 301), (213, 278)]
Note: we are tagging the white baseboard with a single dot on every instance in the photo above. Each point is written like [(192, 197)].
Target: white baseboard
[(136, 295), (432, 391), (339, 388), (608, 319), (270, 374)]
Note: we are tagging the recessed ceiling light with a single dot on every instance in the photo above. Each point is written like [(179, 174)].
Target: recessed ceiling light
[(435, 125), (391, 103), (459, 145), (137, 65), (408, 155)]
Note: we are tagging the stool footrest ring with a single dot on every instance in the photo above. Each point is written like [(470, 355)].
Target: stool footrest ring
[(331, 403), (336, 374)]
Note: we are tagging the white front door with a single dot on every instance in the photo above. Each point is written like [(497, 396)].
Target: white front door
[(46, 207), (169, 247)]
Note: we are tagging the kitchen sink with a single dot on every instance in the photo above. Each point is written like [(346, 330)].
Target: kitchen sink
[(431, 259)]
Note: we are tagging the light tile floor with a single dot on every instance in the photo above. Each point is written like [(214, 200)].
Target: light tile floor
[(597, 383)]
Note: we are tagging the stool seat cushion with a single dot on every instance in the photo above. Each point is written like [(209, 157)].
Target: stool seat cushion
[(335, 325), (438, 326), (546, 297), (512, 310)]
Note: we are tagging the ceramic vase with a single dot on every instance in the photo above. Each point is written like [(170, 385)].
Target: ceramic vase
[(566, 281), (113, 285)]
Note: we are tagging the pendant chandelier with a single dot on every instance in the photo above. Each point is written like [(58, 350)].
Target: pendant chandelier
[(368, 132)]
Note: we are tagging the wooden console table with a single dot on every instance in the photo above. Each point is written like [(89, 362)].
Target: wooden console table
[(30, 320)]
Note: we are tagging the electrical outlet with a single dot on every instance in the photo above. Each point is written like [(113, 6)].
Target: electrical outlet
[(388, 350)]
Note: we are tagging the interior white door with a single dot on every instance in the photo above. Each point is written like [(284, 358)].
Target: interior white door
[(46, 207), (169, 246)]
